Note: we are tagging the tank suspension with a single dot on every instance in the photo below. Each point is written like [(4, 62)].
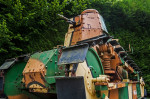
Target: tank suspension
[(106, 54), (106, 62)]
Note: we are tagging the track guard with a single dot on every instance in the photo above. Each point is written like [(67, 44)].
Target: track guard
[(70, 88), (73, 54)]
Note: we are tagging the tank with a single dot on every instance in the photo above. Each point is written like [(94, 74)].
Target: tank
[(90, 65)]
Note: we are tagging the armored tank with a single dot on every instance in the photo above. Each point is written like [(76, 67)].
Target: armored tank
[(90, 65)]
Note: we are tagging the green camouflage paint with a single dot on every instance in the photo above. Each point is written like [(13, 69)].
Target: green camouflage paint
[(94, 63)]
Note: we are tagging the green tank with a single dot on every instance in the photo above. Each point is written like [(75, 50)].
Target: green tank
[(90, 65)]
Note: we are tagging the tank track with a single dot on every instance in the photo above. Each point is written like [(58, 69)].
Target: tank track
[(123, 55)]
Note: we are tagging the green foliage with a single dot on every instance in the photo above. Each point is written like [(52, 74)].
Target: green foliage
[(6, 36), (27, 26)]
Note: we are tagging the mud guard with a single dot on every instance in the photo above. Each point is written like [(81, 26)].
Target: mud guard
[(70, 88), (7, 64), (73, 54)]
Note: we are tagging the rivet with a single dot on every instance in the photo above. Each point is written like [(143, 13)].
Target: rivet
[(88, 83), (59, 73), (89, 88)]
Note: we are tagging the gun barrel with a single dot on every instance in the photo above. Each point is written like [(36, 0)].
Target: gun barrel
[(63, 17), (68, 20)]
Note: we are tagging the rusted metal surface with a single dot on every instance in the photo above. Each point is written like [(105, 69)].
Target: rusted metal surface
[(101, 83), (115, 61), (127, 61), (106, 64), (89, 26), (91, 21), (89, 33), (34, 73), (134, 91), (113, 94), (89, 10), (129, 68), (109, 58), (116, 85), (112, 85), (77, 19), (21, 96)]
